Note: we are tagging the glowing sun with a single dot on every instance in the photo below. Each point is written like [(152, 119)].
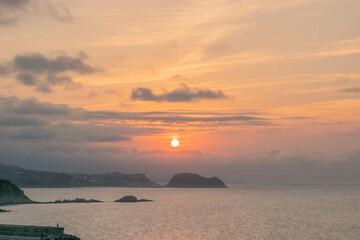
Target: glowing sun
[(175, 143)]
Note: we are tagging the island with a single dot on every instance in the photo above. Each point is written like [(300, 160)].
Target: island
[(128, 199), (2, 211), (11, 194), (192, 180)]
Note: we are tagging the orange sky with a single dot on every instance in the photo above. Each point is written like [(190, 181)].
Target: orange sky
[(225, 77)]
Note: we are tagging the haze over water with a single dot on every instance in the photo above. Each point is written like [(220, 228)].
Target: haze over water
[(239, 212)]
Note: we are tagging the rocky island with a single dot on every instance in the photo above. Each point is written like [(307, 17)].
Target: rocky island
[(192, 180), (11, 194), (132, 199)]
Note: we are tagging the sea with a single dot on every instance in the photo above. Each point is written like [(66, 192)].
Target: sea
[(242, 211)]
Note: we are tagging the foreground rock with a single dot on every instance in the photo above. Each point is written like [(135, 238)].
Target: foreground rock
[(191, 180), (132, 199), (11, 194), (1, 211)]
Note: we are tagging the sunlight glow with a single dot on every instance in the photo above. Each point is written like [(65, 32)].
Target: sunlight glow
[(175, 143)]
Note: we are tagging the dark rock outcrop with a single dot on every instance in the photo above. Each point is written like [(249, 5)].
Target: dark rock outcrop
[(191, 180), (132, 199), (1, 211), (11, 194)]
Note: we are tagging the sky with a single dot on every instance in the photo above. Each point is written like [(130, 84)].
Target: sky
[(256, 91)]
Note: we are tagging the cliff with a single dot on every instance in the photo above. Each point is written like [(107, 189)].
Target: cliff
[(11, 194), (191, 180)]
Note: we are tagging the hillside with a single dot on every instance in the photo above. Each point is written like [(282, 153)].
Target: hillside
[(31, 178)]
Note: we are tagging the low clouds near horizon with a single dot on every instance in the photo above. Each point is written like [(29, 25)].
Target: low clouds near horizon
[(46, 136), (27, 117), (181, 94)]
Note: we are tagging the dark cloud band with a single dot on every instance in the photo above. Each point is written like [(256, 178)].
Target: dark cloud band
[(182, 94)]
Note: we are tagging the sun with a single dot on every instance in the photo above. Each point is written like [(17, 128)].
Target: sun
[(175, 143)]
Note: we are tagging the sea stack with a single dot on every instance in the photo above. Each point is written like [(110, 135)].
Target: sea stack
[(11, 194), (192, 180)]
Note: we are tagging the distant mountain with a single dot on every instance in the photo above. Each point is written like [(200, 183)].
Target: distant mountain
[(30, 178), (191, 180), (11, 194)]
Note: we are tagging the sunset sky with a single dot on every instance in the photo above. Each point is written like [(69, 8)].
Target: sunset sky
[(254, 90)]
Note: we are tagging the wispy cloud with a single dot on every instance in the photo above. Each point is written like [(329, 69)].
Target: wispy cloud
[(351, 90), (12, 11)]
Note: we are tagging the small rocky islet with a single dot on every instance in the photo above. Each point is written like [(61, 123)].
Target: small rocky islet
[(128, 199)]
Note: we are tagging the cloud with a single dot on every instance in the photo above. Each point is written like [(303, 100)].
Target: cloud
[(24, 120), (181, 94), (12, 11), (33, 134), (13, 3), (351, 90), (19, 121), (5, 68), (32, 106), (25, 117), (38, 63), (105, 138), (5, 21), (170, 118), (48, 136), (43, 72)]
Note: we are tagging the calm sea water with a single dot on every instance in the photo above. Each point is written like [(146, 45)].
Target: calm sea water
[(239, 212)]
